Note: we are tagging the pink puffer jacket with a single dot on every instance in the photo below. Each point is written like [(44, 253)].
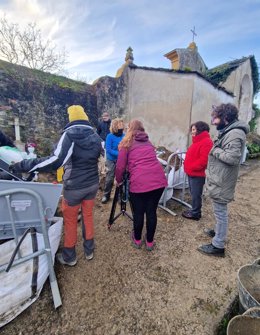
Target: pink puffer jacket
[(146, 172)]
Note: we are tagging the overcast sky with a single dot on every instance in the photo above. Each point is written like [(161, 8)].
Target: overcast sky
[(96, 33)]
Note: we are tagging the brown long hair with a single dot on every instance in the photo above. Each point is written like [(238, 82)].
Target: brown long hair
[(133, 127)]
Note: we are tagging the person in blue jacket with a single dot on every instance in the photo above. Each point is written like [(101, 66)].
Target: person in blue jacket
[(111, 145)]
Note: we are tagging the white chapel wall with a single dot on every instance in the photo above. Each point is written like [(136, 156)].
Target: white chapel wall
[(162, 100), (204, 96)]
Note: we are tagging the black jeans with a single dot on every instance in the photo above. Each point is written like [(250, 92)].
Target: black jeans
[(196, 188), (145, 203)]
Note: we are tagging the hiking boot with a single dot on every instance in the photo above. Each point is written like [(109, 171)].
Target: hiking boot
[(210, 232), (61, 260), (188, 215), (136, 243), (149, 246), (104, 199), (210, 250), (90, 256)]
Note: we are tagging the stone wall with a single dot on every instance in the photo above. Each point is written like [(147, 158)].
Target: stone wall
[(40, 101), (111, 94)]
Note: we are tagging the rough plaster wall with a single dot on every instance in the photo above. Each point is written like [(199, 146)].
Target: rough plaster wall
[(233, 84), (163, 102), (204, 96)]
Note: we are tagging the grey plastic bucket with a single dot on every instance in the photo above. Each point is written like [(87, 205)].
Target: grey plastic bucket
[(246, 324), (248, 278)]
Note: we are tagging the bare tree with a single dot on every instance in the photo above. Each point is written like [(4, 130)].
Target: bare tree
[(26, 47)]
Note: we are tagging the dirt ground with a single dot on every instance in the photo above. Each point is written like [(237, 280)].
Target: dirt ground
[(171, 290)]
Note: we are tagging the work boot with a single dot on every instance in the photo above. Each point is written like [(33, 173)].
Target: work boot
[(210, 232), (188, 215), (210, 250)]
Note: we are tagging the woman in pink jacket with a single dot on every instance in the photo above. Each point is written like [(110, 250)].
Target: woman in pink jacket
[(147, 180)]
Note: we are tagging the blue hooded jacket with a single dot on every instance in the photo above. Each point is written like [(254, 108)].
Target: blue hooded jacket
[(112, 142)]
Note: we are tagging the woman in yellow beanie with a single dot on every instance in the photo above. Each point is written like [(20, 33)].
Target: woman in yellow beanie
[(78, 151)]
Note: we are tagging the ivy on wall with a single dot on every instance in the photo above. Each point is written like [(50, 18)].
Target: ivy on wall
[(253, 122), (219, 74), (255, 75)]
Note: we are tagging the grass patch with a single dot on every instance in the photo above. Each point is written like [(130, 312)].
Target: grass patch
[(232, 311)]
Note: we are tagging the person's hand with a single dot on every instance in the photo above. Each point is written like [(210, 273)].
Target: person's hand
[(11, 168), (15, 167), (118, 184)]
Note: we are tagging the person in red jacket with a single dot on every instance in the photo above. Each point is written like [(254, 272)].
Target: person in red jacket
[(195, 164), (146, 180)]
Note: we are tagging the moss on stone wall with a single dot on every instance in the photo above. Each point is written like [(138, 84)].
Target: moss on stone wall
[(40, 100), (219, 74)]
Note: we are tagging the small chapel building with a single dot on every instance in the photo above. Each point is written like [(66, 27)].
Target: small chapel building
[(169, 100)]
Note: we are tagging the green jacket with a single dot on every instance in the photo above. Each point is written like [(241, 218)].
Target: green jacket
[(224, 161)]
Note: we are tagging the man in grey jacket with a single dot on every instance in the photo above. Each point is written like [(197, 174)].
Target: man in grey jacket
[(222, 172)]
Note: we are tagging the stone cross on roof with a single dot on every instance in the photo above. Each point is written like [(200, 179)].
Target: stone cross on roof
[(193, 33)]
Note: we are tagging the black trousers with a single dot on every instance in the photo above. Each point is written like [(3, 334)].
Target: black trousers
[(145, 203), (196, 188)]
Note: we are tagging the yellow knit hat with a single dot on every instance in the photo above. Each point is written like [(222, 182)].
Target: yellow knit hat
[(76, 112)]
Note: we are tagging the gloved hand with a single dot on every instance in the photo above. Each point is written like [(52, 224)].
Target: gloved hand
[(14, 173), (11, 168), (15, 167)]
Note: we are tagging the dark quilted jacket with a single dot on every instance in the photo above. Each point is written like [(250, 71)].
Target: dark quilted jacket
[(78, 151)]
